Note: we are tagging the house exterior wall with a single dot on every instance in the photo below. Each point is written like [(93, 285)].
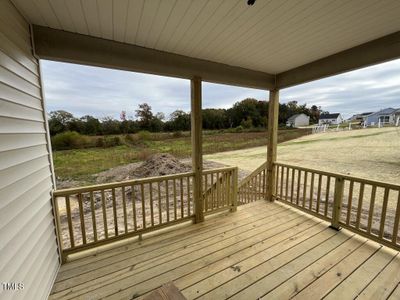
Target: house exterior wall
[(300, 120), (28, 247), (374, 119), (336, 121)]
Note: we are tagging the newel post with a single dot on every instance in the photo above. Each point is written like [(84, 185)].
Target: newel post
[(273, 111), (337, 203), (197, 150)]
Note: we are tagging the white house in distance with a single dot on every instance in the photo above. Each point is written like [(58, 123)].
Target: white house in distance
[(384, 116), (333, 119), (298, 120)]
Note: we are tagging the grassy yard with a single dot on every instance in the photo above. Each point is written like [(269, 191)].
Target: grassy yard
[(80, 164), (367, 153)]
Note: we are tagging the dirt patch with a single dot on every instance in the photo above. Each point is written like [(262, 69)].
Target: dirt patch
[(160, 165)]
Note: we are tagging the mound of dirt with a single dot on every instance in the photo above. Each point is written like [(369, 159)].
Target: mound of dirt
[(161, 164)]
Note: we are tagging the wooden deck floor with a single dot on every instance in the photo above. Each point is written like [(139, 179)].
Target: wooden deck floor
[(265, 250)]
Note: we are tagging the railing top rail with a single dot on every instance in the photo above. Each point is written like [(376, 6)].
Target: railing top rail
[(252, 174), (224, 169), (111, 185), (345, 177)]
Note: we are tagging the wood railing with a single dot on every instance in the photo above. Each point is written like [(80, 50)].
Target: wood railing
[(220, 189), (369, 208), (91, 216), (253, 187)]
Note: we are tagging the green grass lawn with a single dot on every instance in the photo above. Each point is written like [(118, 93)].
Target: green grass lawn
[(80, 164)]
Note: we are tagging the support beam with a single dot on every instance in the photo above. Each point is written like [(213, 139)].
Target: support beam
[(273, 111), (71, 47), (197, 147), (373, 52)]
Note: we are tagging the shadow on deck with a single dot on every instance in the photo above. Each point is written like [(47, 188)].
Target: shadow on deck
[(263, 250)]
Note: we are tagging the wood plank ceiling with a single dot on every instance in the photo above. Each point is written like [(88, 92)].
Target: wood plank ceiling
[(271, 36)]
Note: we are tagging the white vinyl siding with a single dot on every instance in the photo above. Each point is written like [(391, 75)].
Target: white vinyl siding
[(28, 248)]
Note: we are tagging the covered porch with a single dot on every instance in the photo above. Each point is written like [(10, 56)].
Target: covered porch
[(284, 231)]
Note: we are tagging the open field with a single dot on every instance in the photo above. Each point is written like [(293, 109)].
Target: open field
[(80, 164), (367, 153)]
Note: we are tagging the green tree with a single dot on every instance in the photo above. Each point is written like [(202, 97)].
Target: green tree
[(178, 121), (144, 116), (59, 121)]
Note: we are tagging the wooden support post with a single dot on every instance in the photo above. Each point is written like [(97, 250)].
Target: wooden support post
[(273, 110), (337, 203), (197, 150)]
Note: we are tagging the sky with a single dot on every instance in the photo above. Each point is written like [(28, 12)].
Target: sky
[(84, 90)]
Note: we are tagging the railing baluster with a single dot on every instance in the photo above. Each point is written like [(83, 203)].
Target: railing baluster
[(298, 186), (228, 189), (167, 198), (305, 189), (159, 203), (142, 197), (383, 214), (151, 203), (292, 187), (124, 209), (82, 218), (188, 194), (281, 187), (212, 191), (371, 208), (319, 192), (207, 198), (235, 189), (259, 192), (218, 191), (311, 190), (396, 220), (350, 202), (70, 224), (359, 208), (114, 201), (133, 197), (175, 205), (93, 212), (181, 183), (223, 187), (328, 186), (287, 184), (276, 181), (104, 208)]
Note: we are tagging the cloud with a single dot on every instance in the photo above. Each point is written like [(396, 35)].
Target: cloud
[(104, 92)]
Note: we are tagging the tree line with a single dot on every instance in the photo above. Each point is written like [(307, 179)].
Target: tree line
[(248, 113)]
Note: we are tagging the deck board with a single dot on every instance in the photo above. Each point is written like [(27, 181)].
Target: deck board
[(263, 250)]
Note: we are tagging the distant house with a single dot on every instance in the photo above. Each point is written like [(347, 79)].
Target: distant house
[(384, 116), (298, 120), (397, 117), (333, 119), (360, 117)]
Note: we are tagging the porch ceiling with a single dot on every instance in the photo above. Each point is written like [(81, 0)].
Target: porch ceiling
[(270, 37)]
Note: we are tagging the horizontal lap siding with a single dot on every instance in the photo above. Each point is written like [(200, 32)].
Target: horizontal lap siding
[(28, 248)]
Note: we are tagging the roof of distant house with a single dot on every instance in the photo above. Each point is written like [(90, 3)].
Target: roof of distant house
[(366, 113), (384, 111), (329, 116)]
